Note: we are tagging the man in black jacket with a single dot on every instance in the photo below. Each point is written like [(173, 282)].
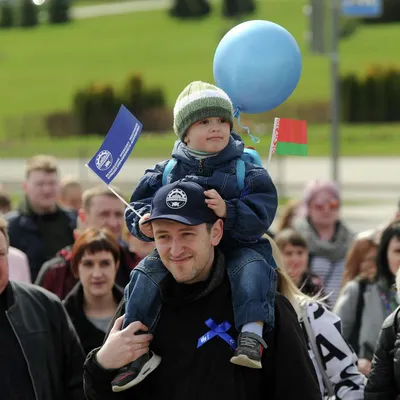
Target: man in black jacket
[(40, 354), (195, 333), (40, 228)]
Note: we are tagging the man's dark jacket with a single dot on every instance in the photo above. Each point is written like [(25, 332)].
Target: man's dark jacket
[(25, 235), (49, 342), (384, 378), (196, 369)]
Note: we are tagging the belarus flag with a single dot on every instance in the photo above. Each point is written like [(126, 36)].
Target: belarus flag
[(290, 137)]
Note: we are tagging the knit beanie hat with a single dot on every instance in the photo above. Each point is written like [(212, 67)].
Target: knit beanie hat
[(198, 101)]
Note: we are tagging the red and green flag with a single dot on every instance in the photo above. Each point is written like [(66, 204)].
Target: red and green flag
[(290, 137)]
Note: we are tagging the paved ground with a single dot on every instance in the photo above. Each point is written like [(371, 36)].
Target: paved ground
[(99, 10), (371, 186)]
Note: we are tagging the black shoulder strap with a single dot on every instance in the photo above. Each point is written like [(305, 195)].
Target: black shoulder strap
[(360, 302), (355, 334)]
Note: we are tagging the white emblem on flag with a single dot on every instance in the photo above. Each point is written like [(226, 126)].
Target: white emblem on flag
[(104, 160)]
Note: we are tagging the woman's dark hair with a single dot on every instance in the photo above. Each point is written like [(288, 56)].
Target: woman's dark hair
[(290, 236), (93, 241), (393, 230)]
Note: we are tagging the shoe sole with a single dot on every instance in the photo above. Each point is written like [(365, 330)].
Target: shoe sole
[(149, 367), (245, 361)]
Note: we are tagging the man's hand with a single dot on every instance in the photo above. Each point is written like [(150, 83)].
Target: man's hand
[(364, 366), (123, 346), (146, 229), (216, 203)]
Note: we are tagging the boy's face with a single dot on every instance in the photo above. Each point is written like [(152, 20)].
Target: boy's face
[(210, 135)]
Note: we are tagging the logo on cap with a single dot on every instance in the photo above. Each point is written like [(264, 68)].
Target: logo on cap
[(176, 199)]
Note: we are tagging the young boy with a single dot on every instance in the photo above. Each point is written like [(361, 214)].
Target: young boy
[(207, 153)]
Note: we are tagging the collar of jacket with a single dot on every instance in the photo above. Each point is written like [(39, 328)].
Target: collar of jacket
[(29, 217), (75, 296), (8, 293), (232, 151), (126, 256)]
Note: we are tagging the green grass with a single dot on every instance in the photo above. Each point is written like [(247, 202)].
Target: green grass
[(366, 140), (41, 68)]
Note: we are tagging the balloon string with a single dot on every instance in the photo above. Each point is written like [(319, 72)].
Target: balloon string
[(236, 114)]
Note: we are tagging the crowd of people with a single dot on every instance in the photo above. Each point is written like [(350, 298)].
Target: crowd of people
[(188, 292)]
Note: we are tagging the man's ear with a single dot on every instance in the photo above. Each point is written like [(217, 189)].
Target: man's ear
[(217, 231), (24, 185), (81, 217)]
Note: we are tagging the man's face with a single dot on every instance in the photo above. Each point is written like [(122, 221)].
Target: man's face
[(105, 212), (3, 262), (42, 189), (73, 198), (187, 251)]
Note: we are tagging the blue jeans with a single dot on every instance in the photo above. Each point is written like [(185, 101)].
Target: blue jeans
[(251, 271), (142, 295)]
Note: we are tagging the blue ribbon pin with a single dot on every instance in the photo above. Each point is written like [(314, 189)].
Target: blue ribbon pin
[(217, 330)]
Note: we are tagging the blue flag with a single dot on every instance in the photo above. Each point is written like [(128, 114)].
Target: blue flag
[(117, 146)]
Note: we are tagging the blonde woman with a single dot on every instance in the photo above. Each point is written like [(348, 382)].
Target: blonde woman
[(334, 360)]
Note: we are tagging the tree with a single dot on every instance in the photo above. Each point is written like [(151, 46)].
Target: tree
[(59, 11), (29, 14), (237, 8), (390, 13), (6, 15), (190, 8)]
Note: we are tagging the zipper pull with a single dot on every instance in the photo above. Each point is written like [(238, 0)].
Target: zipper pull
[(201, 166)]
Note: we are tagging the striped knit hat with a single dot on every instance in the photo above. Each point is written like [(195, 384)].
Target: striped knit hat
[(200, 100)]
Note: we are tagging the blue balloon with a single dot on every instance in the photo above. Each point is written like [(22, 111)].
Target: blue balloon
[(258, 64)]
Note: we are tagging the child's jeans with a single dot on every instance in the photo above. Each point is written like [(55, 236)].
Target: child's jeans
[(251, 271)]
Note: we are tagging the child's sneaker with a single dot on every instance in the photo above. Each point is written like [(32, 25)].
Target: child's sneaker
[(249, 350), (135, 372)]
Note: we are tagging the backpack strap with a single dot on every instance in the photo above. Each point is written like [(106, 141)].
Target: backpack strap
[(254, 156), (355, 334), (167, 170), (240, 173)]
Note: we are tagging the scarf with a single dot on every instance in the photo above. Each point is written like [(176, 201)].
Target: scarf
[(333, 250), (200, 155)]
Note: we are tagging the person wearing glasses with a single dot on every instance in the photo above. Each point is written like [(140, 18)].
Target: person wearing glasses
[(327, 237)]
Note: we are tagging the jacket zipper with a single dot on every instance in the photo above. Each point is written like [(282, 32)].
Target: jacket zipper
[(23, 353), (201, 166)]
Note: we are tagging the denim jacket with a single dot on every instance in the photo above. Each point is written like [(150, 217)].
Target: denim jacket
[(249, 212)]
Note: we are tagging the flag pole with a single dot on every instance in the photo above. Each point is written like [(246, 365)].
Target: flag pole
[(119, 196), (271, 147)]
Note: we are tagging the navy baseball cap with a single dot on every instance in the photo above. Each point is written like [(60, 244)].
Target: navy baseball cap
[(182, 201)]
